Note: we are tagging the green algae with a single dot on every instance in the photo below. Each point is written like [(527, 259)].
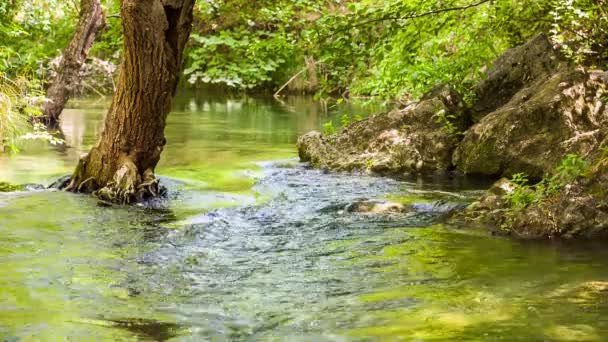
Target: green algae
[(6, 187)]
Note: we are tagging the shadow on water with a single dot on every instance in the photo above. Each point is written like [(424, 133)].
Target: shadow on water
[(148, 330)]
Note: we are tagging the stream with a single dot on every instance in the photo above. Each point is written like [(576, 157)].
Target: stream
[(255, 246)]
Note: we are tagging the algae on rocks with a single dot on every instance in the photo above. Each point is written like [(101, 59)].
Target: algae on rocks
[(7, 187)]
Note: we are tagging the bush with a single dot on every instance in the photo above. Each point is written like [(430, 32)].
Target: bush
[(524, 194), (20, 102)]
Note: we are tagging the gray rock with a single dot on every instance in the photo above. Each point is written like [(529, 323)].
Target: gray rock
[(541, 124), (410, 140)]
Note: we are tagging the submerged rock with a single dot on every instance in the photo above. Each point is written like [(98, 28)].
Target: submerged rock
[(413, 140), (376, 207)]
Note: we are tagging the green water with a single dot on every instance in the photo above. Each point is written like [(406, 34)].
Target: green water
[(252, 248)]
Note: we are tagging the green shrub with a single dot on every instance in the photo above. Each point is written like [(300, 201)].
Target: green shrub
[(328, 128), (345, 120), (20, 101), (447, 121), (524, 194)]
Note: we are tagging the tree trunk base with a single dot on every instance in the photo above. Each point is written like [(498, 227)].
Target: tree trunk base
[(128, 186)]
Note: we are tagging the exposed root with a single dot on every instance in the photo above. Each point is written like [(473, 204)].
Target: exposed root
[(128, 187), (149, 185), (61, 183), (84, 183), (122, 188)]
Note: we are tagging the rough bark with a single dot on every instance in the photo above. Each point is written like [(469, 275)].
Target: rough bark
[(120, 167), (92, 21)]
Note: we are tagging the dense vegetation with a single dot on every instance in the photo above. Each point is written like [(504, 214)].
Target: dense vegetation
[(391, 50), (387, 49)]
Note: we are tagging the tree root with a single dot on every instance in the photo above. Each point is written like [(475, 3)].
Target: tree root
[(126, 187)]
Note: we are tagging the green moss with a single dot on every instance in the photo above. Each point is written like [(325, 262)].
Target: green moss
[(6, 187)]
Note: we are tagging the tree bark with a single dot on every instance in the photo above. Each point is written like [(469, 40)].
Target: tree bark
[(120, 167), (90, 24)]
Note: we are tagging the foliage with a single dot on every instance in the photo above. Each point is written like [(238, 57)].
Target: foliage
[(447, 122), (246, 44), (239, 58), (524, 194), (390, 49), (328, 128), (345, 120), (580, 28), (109, 43), (20, 101), (395, 49), (571, 167), (32, 33), (12, 122)]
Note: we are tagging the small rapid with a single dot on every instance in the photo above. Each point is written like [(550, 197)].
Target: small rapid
[(286, 263)]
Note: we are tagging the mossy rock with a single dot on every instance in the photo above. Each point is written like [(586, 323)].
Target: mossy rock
[(381, 144)]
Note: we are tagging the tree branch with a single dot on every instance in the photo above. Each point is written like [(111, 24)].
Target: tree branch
[(420, 15)]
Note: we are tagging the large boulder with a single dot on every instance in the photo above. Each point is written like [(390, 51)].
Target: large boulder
[(417, 139), (578, 208), (564, 113), (516, 69)]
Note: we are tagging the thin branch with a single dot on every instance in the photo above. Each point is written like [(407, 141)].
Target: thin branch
[(416, 15), (289, 81)]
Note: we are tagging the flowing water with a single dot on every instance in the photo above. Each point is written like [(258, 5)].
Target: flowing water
[(255, 246)]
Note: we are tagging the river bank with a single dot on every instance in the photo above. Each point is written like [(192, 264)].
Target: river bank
[(534, 114)]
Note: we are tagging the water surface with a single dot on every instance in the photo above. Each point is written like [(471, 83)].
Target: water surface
[(255, 246)]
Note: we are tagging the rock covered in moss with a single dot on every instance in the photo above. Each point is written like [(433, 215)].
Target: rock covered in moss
[(415, 139), (578, 209), (565, 113), (7, 187), (376, 207), (514, 70)]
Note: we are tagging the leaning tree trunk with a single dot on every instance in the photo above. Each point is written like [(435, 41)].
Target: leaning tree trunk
[(92, 21), (120, 167)]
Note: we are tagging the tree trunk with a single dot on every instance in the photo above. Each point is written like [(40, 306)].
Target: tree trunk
[(92, 21), (120, 167)]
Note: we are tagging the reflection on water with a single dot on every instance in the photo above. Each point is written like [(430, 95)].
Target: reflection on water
[(217, 133), (264, 251)]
